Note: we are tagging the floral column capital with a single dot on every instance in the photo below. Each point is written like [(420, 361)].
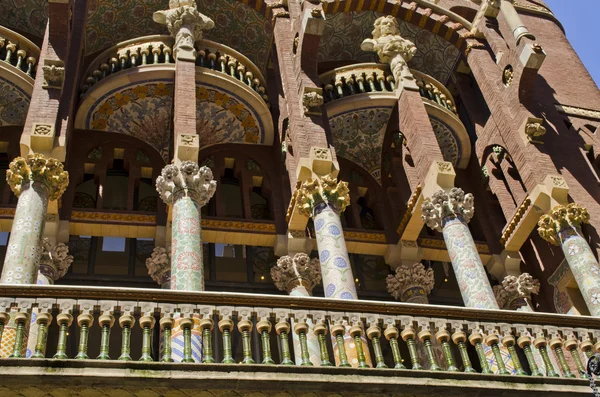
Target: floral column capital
[(411, 283), (185, 23), (391, 47), (54, 261), (159, 265), (560, 218), (37, 168), (299, 270), (187, 180), (324, 190), (515, 292), (442, 205)]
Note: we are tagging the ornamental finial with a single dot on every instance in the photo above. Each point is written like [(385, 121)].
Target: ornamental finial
[(188, 179), (37, 168), (411, 283), (325, 189), (562, 217), (442, 205), (299, 270)]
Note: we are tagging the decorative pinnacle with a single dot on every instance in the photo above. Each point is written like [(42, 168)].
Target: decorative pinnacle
[(159, 265), (325, 189), (188, 179), (409, 277), (447, 204), (54, 261), (562, 217), (36, 167), (299, 270), (514, 289)]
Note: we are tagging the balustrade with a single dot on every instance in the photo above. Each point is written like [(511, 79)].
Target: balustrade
[(248, 332), (155, 50), (18, 52), (375, 77)]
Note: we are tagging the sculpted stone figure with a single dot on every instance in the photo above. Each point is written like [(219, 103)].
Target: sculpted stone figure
[(186, 24), (391, 48)]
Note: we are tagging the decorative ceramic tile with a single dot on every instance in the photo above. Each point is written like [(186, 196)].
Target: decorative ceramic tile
[(358, 136), (14, 104), (26, 16), (350, 348), (177, 340), (344, 32), (236, 25)]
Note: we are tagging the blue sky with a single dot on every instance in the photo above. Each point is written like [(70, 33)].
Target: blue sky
[(579, 18)]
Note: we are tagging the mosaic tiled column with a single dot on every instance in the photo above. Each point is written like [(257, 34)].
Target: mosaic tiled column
[(298, 276), (324, 199), (411, 283), (562, 226), (159, 267), (187, 188), (35, 180), (449, 213), (515, 292)]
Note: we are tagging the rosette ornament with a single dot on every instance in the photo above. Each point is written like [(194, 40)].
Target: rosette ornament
[(297, 275)]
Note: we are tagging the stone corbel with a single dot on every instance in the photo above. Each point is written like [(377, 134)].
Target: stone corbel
[(532, 130), (532, 56), (312, 100), (54, 74), (553, 191)]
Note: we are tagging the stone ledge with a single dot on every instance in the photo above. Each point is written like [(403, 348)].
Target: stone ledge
[(21, 377)]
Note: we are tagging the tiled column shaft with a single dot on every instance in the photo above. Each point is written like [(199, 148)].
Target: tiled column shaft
[(338, 280), (449, 212), (562, 226), (35, 180)]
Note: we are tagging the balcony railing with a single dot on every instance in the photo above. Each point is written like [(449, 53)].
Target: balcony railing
[(375, 77), (154, 50), (451, 339), (18, 52)]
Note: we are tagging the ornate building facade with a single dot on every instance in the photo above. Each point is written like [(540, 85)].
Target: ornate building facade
[(296, 198)]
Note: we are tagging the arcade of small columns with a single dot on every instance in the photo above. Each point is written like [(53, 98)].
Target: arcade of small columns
[(39, 181)]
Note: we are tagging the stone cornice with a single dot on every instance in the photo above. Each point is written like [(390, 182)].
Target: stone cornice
[(112, 217), (578, 112)]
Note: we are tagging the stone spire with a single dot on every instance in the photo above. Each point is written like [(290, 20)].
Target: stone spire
[(411, 283), (159, 266), (187, 180), (560, 218), (299, 271), (325, 189), (515, 292), (185, 23), (54, 261), (37, 168), (454, 204), (391, 48)]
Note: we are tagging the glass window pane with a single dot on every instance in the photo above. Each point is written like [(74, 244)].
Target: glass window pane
[(262, 259), (114, 260), (113, 244), (231, 263)]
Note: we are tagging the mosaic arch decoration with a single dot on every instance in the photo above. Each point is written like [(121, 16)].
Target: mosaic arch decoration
[(358, 136), (142, 110), (236, 25), (14, 104), (28, 16), (345, 31), (447, 139), (224, 117)]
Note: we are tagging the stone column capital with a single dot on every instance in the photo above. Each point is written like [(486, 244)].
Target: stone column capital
[(411, 283), (447, 204), (323, 190), (515, 292), (560, 218), (186, 180), (159, 265), (55, 260), (185, 23), (391, 48), (37, 168), (299, 270)]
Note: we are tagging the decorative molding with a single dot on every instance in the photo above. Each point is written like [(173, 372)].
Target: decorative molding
[(511, 226), (442, 205), (7, 212), (579, 112), (440, 244), (365, 237), (410, 206), (238, 226), (43, 129), (112, 217)]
